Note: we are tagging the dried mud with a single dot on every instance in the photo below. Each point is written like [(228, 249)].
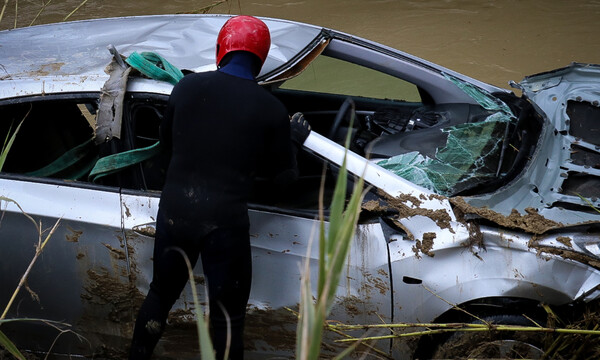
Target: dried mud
[(373, 206), (566, 254), (440, 217), (408, 206), (566, 241), (46, 69), (373, 283), (425, 246), (104, 289), (73, 235), (531, 222), (117, 254)]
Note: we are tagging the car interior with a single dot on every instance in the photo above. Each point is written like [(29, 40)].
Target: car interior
[(383, 115), (390, 117)]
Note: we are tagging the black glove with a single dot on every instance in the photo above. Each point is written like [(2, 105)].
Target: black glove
[(299, 128)]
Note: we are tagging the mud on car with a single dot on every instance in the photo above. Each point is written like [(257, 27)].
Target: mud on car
[(479, 197)]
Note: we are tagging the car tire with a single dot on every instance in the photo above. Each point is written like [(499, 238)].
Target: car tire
[(493, 344)]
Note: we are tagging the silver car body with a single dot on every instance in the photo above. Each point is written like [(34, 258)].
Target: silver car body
[(97, 266)]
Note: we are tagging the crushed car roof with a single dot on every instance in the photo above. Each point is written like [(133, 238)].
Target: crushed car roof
[(80, 47)]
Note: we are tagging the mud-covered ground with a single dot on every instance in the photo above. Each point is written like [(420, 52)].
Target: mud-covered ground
[(485, 345)]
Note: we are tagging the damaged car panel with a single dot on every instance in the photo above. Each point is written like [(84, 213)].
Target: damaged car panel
[(561, 180), (509, 219)]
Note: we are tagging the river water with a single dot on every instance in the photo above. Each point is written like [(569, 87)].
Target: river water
[(491, 40)]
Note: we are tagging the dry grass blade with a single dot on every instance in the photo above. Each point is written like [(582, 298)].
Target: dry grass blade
[(204, 341), (74, 11), (454, 305), (588, 202), (334, 247), (3, 9), (356, 343), (40, 12), (5, 341), (438, 328), (38, 251), (582, 344), (206, 9)]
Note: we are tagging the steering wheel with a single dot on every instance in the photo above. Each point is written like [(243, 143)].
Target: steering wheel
[(347, 105)]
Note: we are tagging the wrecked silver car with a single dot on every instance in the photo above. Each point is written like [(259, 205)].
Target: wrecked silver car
[(478, 198)]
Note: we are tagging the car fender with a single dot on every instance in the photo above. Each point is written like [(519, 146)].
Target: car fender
[(502, 264)]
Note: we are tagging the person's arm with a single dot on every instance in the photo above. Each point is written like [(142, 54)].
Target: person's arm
[(297, 132), (165, 130)]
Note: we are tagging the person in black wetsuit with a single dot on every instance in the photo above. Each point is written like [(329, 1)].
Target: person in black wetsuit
[(222, 130)]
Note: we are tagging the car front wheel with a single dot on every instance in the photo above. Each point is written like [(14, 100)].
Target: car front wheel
[(493, 344)]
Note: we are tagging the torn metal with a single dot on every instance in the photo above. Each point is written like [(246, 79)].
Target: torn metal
[(110, 109), (562, 178)]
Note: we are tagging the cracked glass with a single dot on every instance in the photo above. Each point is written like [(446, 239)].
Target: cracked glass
[(472, 153)]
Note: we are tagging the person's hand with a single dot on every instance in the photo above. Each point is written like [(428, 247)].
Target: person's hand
[(299, 128)]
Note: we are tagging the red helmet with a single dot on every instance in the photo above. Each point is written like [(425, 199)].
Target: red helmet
[(245, 33)]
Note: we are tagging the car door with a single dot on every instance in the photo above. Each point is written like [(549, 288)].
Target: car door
[(80, 278), (283, 234)]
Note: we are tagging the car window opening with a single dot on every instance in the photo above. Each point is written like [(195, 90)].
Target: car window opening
[(472, 152), (54, 139), (448, 148), (144, 120)]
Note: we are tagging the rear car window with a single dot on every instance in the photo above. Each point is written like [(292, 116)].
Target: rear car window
[(50, 138)]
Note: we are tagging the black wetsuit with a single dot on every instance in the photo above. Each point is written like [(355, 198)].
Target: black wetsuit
[(222, 131)]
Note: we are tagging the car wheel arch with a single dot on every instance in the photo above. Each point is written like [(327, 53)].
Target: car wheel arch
[(500, 311), (424, 290)]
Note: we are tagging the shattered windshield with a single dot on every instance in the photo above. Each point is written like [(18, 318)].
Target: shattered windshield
[(472, 154)]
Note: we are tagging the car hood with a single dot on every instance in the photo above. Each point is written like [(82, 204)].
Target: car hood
[(561, 184)]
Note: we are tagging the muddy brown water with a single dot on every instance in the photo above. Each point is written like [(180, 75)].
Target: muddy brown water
[(494, 41)]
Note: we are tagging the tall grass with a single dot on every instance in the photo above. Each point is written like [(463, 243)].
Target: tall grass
[(204, 341), (8, 142), (334, 246)]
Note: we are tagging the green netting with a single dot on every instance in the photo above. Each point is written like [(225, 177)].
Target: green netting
[(471, 154)]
